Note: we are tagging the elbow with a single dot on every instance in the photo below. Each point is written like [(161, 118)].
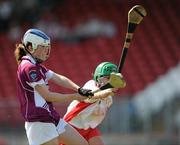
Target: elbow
[(46, 95), (48, 99)]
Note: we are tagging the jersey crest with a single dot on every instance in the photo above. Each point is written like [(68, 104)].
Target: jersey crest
[(33, 75)]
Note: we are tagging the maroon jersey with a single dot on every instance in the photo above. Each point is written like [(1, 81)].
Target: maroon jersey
[(33, 106)]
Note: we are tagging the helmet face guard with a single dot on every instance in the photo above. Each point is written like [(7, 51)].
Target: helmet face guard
[(104, 69), (35, 37)]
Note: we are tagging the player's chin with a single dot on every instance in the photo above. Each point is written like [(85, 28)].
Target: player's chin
[(41, 60), (45, 58)]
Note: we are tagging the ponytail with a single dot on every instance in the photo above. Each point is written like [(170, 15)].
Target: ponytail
[(19, 52)]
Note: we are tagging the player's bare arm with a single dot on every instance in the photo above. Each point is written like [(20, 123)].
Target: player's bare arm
[(64, 81), (57, 97)]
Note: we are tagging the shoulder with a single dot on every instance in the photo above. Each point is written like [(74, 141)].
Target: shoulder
[(27, 66), (91, 84), (30, 70)]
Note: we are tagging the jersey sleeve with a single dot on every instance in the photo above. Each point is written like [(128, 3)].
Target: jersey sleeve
[(34, 76), (49, 74)]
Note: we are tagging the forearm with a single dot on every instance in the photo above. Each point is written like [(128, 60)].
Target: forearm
[(103, 94), (57, 97)]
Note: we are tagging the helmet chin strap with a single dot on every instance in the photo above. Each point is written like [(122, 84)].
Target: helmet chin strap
[(36, 59)]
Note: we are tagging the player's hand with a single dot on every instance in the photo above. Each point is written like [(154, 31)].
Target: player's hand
[(85, 92)]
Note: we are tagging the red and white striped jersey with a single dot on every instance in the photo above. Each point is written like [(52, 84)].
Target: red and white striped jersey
[(89, 113)]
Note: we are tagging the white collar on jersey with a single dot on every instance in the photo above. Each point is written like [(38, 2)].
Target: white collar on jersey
[(28, 56)]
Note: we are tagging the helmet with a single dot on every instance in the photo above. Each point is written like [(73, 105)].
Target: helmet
[(104, 69), (36, 37)]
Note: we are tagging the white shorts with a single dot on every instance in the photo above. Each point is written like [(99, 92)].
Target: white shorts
[(40, 132)]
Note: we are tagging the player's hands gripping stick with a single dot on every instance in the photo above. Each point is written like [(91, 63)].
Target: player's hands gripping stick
[(116, 81)]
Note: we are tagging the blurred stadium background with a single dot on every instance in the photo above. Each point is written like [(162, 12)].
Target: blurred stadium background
[(85, 33)]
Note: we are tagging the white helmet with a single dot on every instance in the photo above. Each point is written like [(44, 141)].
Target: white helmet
[(36, 37)]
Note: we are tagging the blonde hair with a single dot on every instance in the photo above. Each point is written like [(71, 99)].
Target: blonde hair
[(19, 52)]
